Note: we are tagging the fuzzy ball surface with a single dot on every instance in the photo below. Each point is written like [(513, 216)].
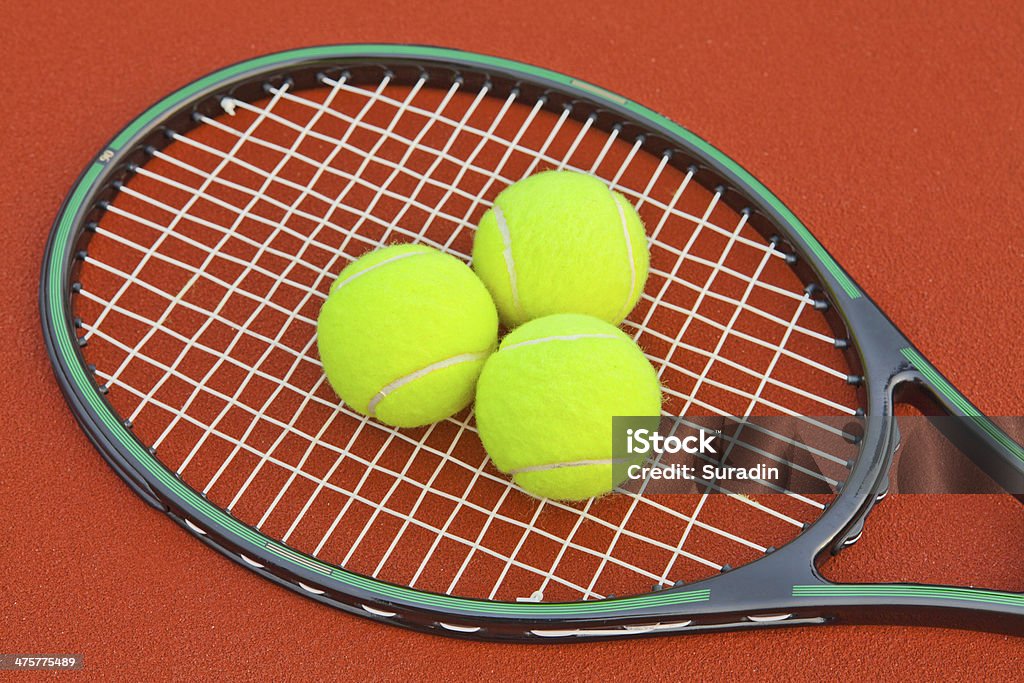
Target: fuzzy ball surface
[(545, 402), (561, 242), (404, 333)]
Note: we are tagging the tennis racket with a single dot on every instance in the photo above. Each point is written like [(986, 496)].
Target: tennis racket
[(182, 282)]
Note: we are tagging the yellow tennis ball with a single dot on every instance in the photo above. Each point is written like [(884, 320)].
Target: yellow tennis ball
[(545, 403), (561, 242), (404, 333)]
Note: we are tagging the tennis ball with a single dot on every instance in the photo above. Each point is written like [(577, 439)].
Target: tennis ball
[(545, 402), (561, 242), (404, 333)]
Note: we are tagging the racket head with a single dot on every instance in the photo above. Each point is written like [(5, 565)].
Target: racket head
[(870, 344)]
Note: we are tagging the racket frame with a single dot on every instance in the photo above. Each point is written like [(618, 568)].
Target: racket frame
[(782, 588)]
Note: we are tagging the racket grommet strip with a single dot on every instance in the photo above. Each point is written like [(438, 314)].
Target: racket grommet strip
[(271, 88), (768, 618), (194, 527), (251, 562), (815, 292), (458, 628), (853, 539), (379, 612), (851, 437)]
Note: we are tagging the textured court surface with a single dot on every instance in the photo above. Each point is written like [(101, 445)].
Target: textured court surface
[(893, 137)]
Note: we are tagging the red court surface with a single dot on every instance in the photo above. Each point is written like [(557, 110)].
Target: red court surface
[(893, 132)]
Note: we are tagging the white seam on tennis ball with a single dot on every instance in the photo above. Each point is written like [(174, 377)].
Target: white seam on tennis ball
[(375, 266), (624, 309), (572, 463), (371, 408), (559, 337), (510, 264)]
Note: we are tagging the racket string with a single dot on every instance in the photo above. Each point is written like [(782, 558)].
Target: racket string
[(562, 567), (467, 221), (539, 156), (692, 313)]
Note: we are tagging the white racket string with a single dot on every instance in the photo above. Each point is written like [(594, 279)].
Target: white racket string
[(365, 166)]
